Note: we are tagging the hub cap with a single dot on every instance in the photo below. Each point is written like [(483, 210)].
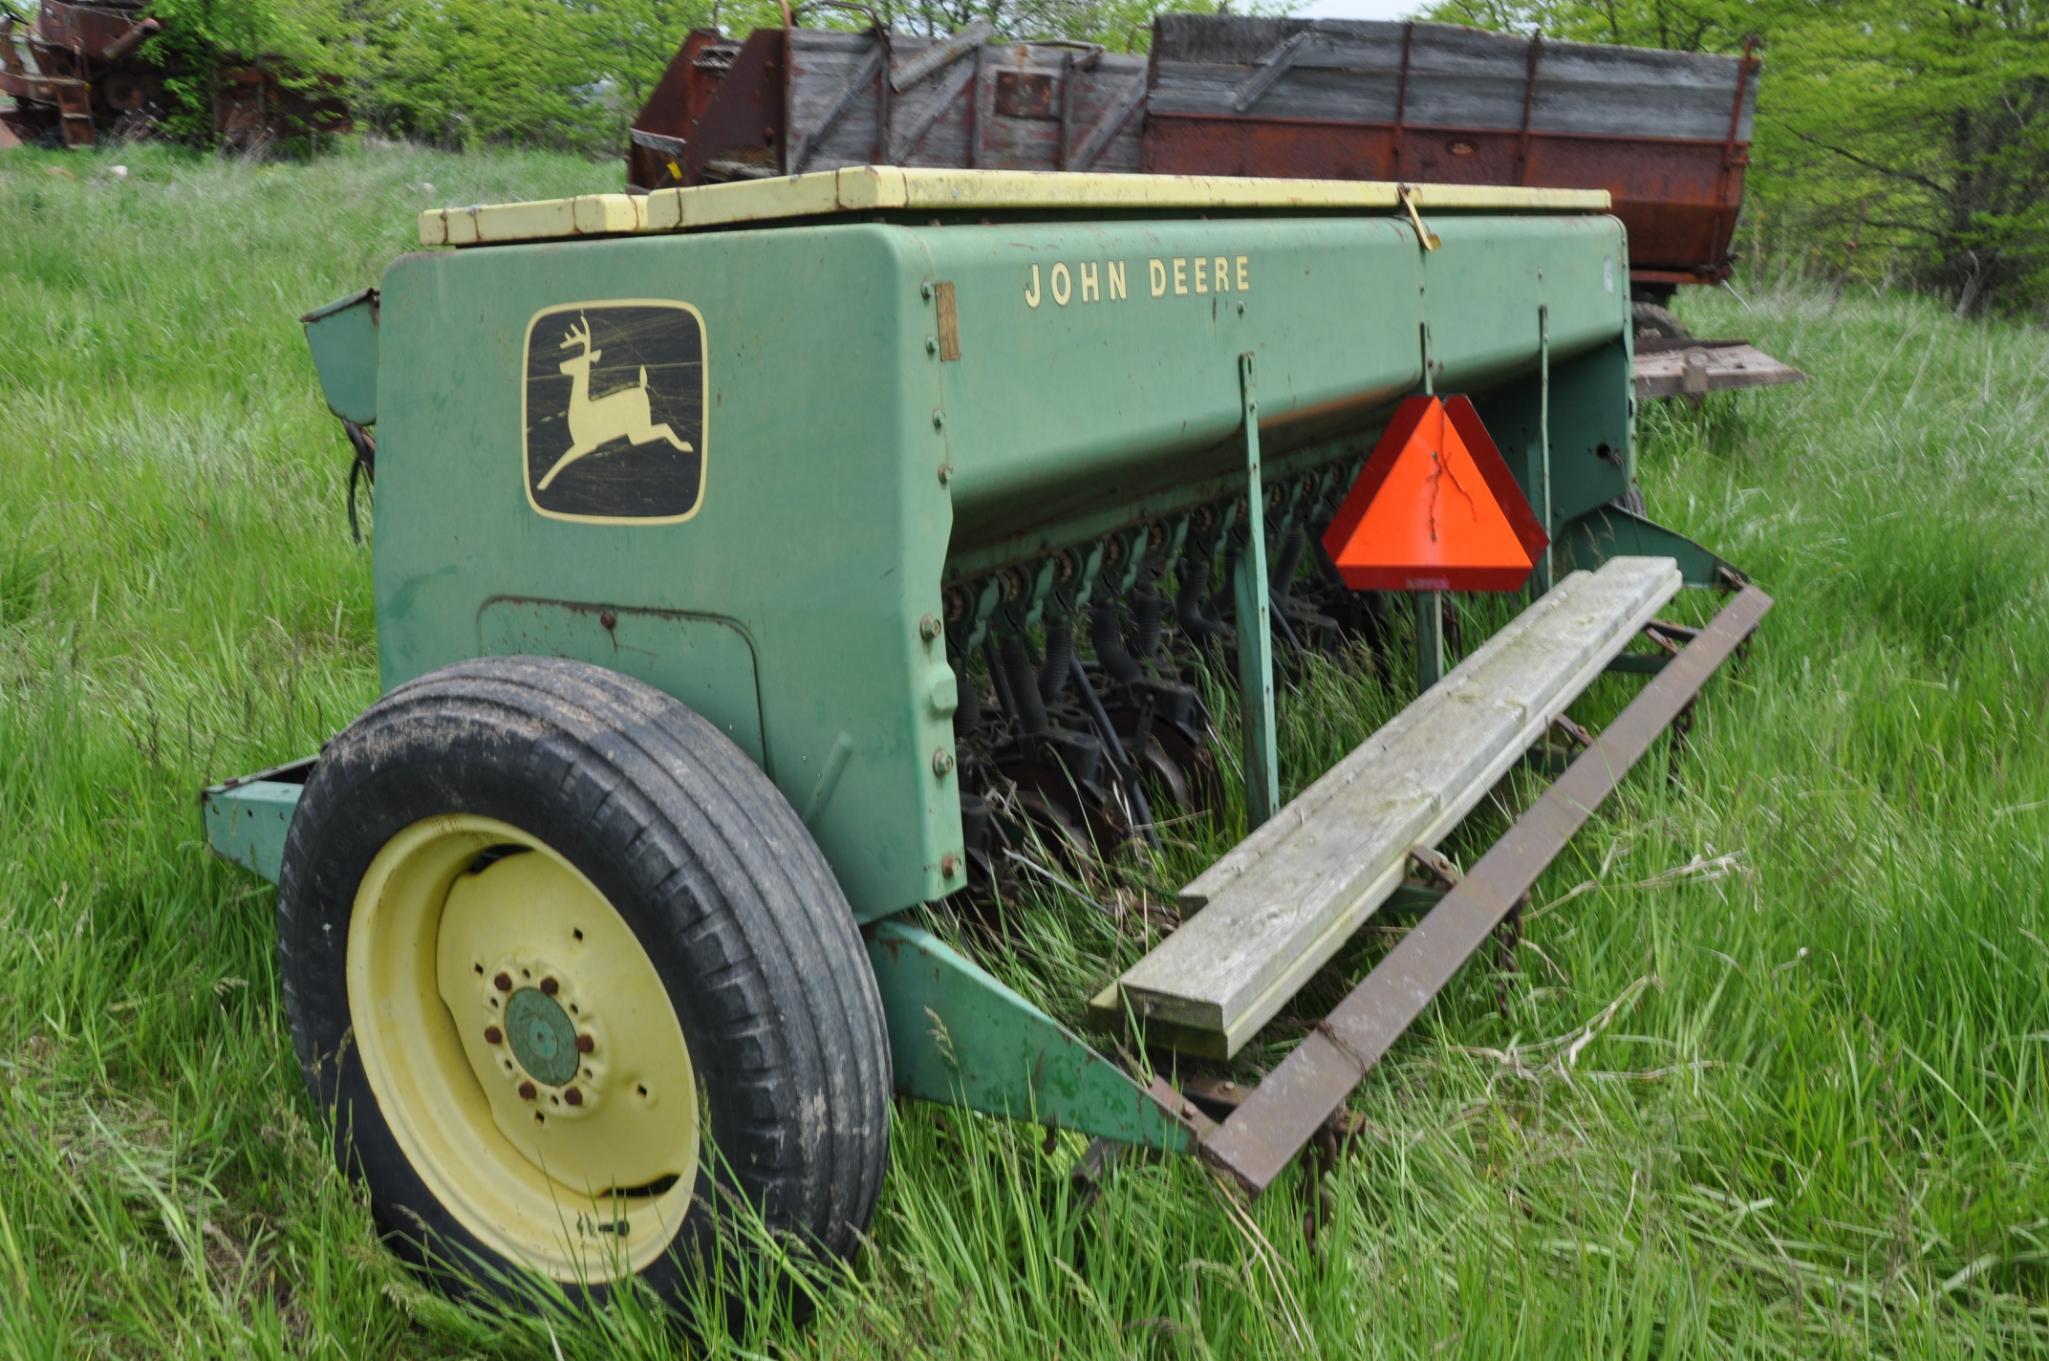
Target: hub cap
[(522, 1048), (543, 1040)]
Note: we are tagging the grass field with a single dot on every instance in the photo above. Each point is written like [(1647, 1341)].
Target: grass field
[(1774, 1079)]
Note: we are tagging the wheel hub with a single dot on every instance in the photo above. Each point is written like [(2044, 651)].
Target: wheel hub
[(542, 1034), (542, 1037), (523, 1048)]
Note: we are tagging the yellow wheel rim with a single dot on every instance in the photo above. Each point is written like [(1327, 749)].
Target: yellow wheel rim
[(522, 1049)]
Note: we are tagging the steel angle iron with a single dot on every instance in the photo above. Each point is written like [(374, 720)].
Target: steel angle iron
[(756, 564)]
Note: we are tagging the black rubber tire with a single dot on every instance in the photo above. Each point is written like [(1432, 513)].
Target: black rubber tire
[(1650, 319), (710, 866)]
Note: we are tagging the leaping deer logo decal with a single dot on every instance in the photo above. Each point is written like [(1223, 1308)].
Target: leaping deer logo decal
[(614, 409), (596, 421)]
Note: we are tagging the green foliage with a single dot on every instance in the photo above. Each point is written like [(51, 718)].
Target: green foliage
[(1922, 126), (1774, 1080), (298, 37), (463, 74), (1904, 138)]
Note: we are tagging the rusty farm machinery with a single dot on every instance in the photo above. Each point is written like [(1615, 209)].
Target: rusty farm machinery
[(700, 688), (77, 73)]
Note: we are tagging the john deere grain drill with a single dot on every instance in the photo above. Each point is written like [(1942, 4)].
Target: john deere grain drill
[(757, 563)]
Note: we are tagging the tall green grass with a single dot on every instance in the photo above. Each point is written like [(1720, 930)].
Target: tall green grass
[(1773, 1078)]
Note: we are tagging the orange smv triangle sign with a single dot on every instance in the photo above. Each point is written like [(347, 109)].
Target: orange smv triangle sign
[(1435, 508)]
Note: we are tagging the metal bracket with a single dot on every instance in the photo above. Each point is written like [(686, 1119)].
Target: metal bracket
[(1578, 736), (1425, 238), (1437, 865), (959, 1036), (1609, 531)]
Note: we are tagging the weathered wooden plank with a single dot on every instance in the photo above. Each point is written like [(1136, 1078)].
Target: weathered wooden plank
[(1110, 122), (1269, 69), (1725, 366), (815, 132), (1278, 913), (1460, 734), (1363, 762), (915, 123), (834, 99), (942, 53)]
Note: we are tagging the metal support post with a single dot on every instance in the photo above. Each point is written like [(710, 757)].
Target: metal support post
[(1255, 628), (1429, 638), (1541, 578), (1429, 605)]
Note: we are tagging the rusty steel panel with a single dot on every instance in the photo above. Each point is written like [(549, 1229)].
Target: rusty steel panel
[(1025, 94), (96, 31), (1665, 133), (738, 130), (1670, 195), (687, 85)]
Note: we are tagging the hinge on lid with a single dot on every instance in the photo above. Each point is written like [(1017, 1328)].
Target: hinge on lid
[(1424, 236)]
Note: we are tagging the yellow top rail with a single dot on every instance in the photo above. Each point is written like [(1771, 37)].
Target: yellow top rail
[(881, 188)]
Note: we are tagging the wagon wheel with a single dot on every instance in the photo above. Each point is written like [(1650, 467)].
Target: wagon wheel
[(547, 939)]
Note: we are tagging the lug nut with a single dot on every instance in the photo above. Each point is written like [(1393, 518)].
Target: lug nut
[(949, 865), (574, 1096), (584, 1044), (503, 982), (527, 1091), (942, 762), (550, 986), (493, 1035)]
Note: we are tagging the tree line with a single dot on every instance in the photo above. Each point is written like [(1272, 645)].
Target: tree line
[(1896, 140)]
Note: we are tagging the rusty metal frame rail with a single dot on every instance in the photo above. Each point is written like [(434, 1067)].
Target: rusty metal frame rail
[(1300, 1097)]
